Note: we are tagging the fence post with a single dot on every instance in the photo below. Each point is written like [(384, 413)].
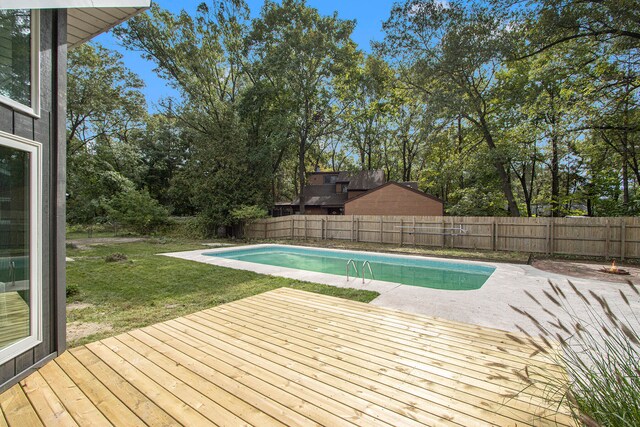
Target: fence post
[(357, 229), (305, 228), (381, 230), (453, 241), (414, 231), (623, 238), (548, 238), (552, 236), (401, 230), (352, 226), (265, 229), (293, 221), (442, 232), (607, 240), (494, 228)]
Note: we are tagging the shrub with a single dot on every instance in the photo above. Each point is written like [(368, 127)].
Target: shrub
[(115, 257), (72, 289), (600, 352), (136, 210), (185, 227), (246, 214)]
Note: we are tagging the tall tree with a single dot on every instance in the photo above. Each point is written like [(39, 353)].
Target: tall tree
[(203, 57), (105, 109), (104, 98), (555, 22), (452, 54), (369, 105), (300, 54)]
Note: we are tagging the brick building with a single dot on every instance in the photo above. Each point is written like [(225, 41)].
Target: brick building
[(332, 193), (393, 198)]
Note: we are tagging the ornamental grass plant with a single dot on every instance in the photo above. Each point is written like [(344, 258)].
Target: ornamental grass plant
[(599, 350)]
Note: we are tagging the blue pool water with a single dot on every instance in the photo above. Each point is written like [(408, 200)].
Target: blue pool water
[(408, 271)]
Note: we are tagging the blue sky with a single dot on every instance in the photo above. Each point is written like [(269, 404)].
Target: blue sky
[(368, 14)]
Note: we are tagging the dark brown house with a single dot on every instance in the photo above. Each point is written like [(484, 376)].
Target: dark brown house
[(34, 38), (394, 199), (330, 193)]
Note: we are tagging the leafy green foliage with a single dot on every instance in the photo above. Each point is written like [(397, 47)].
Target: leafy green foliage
[(72, 290), (115, 257), (246, 213), (136, 210), (495, 107), (300, 55)]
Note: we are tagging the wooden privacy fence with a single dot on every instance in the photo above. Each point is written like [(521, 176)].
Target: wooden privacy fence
[(601, 237)]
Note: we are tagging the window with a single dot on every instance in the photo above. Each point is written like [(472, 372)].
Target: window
[(330, 179), (19, 59), (20, 272)]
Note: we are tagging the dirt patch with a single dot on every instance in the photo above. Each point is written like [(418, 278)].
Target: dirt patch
[(78, 306), (585, 270), (85, 243), (77, 330)]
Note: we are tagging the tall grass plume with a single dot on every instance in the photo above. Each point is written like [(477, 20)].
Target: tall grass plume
[(599, 349)]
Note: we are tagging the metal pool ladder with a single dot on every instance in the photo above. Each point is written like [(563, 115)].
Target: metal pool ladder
[(367, 264), (355, 267)]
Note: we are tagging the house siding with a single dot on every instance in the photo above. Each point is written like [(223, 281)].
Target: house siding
[(49, 130), (315, 179), (394, 200), (315, 210), (355, 193)]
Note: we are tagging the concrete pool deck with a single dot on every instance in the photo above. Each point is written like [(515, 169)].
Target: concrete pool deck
[(488, 306)]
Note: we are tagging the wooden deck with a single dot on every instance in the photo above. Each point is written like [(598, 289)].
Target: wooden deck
[(287, 357), (14, 318)]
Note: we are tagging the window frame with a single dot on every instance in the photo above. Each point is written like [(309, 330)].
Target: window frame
[(35, 245), (34, 109)]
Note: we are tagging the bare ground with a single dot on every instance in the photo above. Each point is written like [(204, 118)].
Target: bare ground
[(78, 306), (77, 330), (85, 243), (587, 270)]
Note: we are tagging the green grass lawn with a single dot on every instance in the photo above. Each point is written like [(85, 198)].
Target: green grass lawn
[(148, 288)]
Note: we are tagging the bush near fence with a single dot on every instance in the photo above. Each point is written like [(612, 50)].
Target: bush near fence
[(599, 237)]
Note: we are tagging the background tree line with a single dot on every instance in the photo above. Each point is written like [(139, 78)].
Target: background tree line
[(500, 108)]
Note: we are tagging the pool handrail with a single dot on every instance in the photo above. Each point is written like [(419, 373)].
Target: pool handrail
[(355, 267), (366, 263)]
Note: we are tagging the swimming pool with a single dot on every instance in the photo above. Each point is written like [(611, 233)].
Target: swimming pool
[(411, 271)]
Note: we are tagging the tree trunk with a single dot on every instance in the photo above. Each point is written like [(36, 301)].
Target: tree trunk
[(625, 155), (505, 179), (459, 149), (555, 177), (301, 171)]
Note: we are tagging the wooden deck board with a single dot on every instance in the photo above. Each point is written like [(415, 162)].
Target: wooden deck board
[(17, 409), (14, 318), (288, 357), (403, 385)]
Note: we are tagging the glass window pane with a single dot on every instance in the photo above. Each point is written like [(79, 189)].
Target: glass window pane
[(14, 245), (15, 55)]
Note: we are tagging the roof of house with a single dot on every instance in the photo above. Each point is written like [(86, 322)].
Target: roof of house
[(85, 18), (363, 180), (321, 195), (397, 184), (410, 184)]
